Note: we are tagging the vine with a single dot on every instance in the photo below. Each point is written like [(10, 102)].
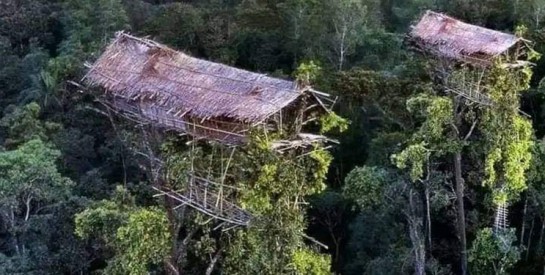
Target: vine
[(430, 137), (307, 261), (332, 121), (510, 136), (413, 157), (273, 187)]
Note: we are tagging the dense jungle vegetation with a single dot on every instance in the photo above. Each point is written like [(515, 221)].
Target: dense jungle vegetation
[(75, 200)]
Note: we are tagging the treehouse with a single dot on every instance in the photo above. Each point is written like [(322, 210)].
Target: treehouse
[(151, 83), (464, 55), (448, 38), (464, 52)]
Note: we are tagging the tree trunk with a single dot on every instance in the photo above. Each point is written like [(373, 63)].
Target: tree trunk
[(530, 239), (461, 210), (337, 244), (212, 264), (27, 205), (414, 218), (428, 214), (170, 268), (171, 263), (541, 234), (342, 48), (13, 231), (523, 221)]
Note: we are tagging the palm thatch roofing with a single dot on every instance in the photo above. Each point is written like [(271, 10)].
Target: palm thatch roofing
[(141, 70), (450, 38)]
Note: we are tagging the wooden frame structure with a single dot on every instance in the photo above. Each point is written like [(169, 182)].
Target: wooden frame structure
[(465, 52), (207, 197), (153, 85), (448, 38)]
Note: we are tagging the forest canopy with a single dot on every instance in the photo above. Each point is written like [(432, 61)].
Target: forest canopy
[(430, 161)]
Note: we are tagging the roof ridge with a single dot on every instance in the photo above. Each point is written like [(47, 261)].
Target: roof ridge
[(164, 47)]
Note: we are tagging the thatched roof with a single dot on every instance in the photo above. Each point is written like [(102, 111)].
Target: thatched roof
[(448, 37), (143, 70)]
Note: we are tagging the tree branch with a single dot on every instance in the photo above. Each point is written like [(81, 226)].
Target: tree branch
[(471, 130), (213, 262)]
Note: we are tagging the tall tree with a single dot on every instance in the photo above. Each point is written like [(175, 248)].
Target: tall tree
[(348, 19), (29, 182)]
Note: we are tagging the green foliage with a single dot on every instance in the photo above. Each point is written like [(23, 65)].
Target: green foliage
[(266, 248), (177, 24), (414, 157), (259, 197), (89, 25), (102, 219), (493, 253), (535, 174), (178, 163), (307, 72), (489, 167), (27, 20), (100, 222), (29, 183), (44, 44), (49, 244), (383, 146), (144, 240), (330, 212), (332, 121), (272, 187), (348, 21), (432, 138), (509, 136), (280, 178), (437, 112), (30, 173), (139, 237), (310, 262), (379, 241), (23, 124), (320, 168), (531, 14), (365, 186)]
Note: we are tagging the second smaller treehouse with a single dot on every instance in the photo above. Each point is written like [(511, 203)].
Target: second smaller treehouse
[(463, 55), (464, 52)]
